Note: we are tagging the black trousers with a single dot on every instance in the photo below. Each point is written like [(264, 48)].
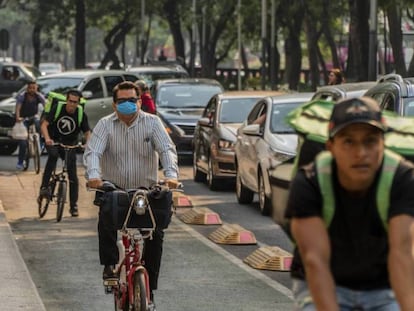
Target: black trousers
[(109, 254), (54, 153)]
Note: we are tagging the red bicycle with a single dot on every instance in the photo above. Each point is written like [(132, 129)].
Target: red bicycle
[(131, 288)]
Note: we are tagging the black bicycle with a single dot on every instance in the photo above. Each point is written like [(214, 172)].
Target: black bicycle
[(57, 194)]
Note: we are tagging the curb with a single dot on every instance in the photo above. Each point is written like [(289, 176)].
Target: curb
[(18, 290)]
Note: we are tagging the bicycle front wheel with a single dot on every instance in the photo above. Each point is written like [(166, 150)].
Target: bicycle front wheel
[(43, 204), (140, 292), (60, 199), (36, 154)]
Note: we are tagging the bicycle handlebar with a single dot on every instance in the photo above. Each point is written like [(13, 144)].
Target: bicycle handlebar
[(78, 145)]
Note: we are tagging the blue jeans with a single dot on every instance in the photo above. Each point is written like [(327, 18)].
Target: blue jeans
[(23, 143), (348, 299)]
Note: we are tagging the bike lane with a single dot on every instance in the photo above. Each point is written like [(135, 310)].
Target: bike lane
[(196, 274)]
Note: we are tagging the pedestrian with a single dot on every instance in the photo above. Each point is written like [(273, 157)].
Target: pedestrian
[(27, 106), (62, 125), (147, 103), (124, 149), (336, 77), (350, 214)]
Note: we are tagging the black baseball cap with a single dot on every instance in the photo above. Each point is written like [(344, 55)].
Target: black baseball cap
[(355, 110)]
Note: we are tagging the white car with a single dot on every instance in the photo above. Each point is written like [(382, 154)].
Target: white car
[(264, 141)]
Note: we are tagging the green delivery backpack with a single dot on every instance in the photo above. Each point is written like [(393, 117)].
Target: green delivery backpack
[(54, 98)]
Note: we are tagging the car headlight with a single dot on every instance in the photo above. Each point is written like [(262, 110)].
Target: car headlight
[(226, 145)]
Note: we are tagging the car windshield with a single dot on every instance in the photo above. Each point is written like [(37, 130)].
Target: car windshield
[(279, 112), (59, 85), (185, 96), (235, 110), (409, 106)]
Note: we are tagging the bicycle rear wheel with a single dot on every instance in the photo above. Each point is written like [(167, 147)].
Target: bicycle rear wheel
[(36, 154), (26, 160), (140, 292), (60, 199)]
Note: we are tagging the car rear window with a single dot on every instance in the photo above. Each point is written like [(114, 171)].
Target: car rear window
[(185, 96)]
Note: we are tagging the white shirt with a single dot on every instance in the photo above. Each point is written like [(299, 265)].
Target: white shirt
[(128, 155)]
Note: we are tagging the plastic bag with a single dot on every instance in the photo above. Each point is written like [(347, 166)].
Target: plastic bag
[(19, 131)]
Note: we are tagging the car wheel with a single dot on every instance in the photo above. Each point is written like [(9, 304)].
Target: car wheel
[(198, 175), (244, 195), (211, 178), (264, 202), (8, 148)]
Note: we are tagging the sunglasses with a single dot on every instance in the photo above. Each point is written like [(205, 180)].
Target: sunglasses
[(130, 99)]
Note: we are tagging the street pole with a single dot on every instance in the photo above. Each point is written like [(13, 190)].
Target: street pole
[(142, 32), (372, 59), (239, 85), (193, 42), (263, 74), (272, 46)]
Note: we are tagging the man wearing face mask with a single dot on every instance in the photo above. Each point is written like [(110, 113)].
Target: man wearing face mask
[(124, 149)]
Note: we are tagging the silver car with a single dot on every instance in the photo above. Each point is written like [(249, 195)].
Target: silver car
[(263, 142)]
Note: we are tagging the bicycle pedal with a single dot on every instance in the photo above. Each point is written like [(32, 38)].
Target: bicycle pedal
[(111, 282)]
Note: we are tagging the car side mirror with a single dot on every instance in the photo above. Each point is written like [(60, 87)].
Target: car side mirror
[(87, 94), (204, 122), (252, 129)]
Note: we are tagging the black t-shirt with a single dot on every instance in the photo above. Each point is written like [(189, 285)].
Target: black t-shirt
[(359, 243), (65, 129)]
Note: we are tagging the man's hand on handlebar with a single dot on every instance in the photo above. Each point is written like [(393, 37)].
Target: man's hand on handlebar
[(95, 183), (173, 183)]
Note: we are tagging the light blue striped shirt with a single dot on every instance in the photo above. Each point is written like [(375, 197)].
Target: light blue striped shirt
[(128, 155)]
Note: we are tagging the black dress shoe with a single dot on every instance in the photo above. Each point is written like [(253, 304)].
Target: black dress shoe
[(74, 211), (109, 273)]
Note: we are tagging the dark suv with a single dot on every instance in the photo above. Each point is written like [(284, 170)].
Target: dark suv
[(179, 104), (394, 93)]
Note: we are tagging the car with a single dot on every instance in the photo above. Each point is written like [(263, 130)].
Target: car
[(344, 90), (13, 77), (394, 93), (264, 141), (49, 68), (150, 73), (179, 104), (95, 85), (215, 135), (280, 175)]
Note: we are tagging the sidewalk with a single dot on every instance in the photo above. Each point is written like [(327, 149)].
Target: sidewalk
[(17, 289)]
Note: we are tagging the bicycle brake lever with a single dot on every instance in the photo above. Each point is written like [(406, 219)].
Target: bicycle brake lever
[(108, 186)]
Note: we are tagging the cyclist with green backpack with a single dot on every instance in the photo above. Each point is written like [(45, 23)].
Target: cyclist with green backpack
[(350, 214), (62, 124)]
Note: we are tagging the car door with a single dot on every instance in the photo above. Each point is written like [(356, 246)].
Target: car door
[(205, 133), (246, 152)]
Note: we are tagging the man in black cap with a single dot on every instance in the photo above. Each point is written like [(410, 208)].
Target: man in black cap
[(350, 214)]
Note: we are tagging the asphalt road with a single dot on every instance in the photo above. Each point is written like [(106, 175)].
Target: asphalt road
[(196, 273)]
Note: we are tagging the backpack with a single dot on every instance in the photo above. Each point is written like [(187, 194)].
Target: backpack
[(54, 98)]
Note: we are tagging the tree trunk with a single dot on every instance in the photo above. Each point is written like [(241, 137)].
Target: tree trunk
[(312, 43), (173, 18), (359, 40), (112, 41), (36, 43), (394, 22), (80, 41)]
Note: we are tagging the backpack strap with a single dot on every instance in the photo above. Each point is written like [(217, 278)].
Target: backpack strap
[(324, 174), (59, 110), (391, 162)]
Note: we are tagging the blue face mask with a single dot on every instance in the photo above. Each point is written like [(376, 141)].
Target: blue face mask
[(126, 107)]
